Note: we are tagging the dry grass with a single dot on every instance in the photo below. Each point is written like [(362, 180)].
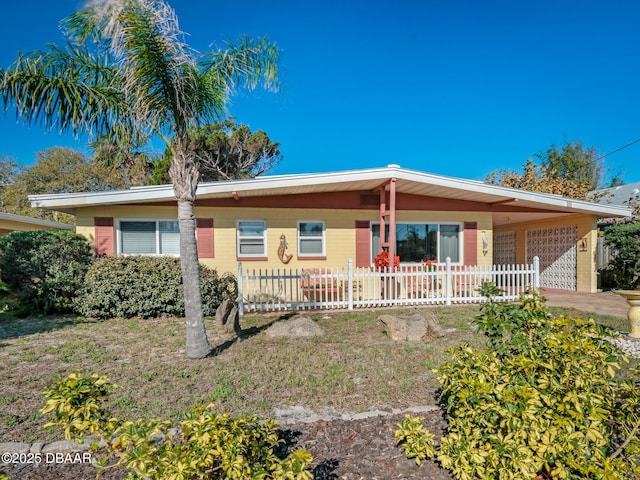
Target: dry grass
[(353, 367)]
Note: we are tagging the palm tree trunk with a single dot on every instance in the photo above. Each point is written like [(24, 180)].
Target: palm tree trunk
[(184, 174)]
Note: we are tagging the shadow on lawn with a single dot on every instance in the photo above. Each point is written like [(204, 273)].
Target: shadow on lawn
[(15, 327), (247, 333)]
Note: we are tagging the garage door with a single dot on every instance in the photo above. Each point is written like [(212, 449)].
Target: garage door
[(556, 249)]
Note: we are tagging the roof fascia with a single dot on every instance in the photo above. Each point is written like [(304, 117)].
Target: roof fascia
[(165, 192), (34, 221)]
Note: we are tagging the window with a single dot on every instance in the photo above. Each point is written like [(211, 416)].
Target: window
[(311, 241), (149, 237), (418, 242), (252, 238)]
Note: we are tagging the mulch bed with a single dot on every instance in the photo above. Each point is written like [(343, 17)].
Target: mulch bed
[(342, 449)]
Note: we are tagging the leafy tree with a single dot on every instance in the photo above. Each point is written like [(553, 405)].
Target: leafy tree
[(8, 170), (228, 150), (535, 178), (624, 240), (126, 67), (575, 162), (58, 170), (160, 170), (120, 154), (571, 171)]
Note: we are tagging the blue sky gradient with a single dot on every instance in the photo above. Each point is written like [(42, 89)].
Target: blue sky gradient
[(457, 88)]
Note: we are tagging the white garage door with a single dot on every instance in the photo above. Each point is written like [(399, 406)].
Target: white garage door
[(556, 248)]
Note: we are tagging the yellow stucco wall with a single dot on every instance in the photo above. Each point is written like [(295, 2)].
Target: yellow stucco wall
[(586, 279), (339, 230)]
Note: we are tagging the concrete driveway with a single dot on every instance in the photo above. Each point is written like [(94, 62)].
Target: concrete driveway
[(604, 303)]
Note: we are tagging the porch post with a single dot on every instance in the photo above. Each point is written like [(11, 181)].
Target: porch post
[(536, 273), (383, 213), (392, 225)]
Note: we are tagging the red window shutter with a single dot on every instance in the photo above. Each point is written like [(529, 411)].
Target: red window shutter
[(363, 243), (204, 236), (105, 236), (470, 243)]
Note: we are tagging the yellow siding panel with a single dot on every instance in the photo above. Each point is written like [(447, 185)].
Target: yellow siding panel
[(587, 237), (339, 230)]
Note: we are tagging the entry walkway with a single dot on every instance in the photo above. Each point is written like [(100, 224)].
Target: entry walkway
[(604, 303)]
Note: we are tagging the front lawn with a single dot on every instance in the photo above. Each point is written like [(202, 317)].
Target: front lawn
[(353, 368)]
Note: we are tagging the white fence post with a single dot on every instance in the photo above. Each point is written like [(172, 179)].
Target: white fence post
[(350, 284), (536, 273), (240, 295), (448, 283)]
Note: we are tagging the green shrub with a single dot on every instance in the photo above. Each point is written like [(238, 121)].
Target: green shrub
[(542, 400), (205, 445), (415, 439), (624, 240), (141, 286), (44, 267), (77, 404)]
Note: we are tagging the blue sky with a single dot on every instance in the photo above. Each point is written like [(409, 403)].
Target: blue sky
[(457, 88)]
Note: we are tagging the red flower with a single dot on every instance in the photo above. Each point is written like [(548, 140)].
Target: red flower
[(381, 261), (431, 265)]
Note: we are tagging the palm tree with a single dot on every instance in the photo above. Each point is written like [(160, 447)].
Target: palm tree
[(126, 70)]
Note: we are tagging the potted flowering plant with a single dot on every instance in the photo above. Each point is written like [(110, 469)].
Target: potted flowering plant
[(381, 261), (388, 286), (431, 265)]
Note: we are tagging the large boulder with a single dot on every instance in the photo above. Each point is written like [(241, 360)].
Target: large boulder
[(298, 326), (412, 328)]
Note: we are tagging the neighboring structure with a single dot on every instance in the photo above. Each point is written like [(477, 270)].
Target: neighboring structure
[(325, 219), (624, 195), (10, 223)]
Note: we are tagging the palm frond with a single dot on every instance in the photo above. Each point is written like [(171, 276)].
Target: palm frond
[(65, 88), (158, 65), (82, 26), (208, 98), (246, 63)]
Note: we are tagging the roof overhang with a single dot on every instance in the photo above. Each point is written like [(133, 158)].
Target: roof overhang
[(36, 222), (407, 182)]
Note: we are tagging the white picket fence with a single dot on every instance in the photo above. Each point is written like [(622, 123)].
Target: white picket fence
[(349, 287)]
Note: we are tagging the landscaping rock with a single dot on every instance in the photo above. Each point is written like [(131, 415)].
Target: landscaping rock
[(227, 320), (413, 328), (65, 446), (298, 326), (14, 447), (36, 447)]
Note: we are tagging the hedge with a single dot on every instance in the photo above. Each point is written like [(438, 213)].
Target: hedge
[(44, 267), (142, 286)]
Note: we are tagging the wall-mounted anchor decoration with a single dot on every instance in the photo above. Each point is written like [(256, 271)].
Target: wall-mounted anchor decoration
[(284, 257), (583, 244)]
